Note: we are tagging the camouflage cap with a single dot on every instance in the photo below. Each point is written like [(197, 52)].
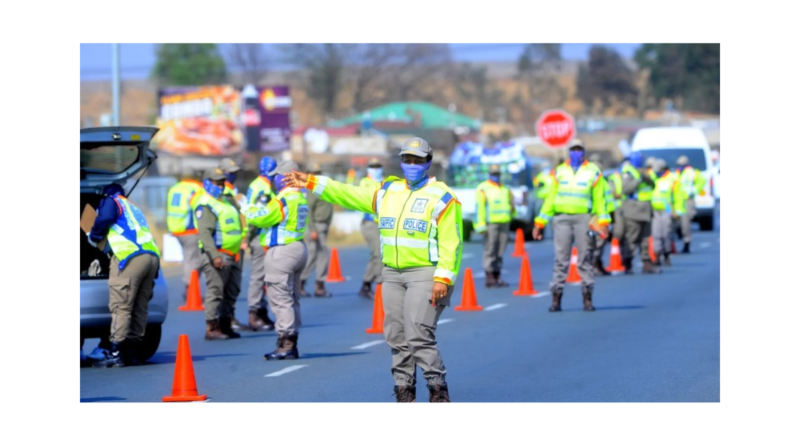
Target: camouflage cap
[(284, 168), (417, 147), (214, 174), (494, 168), (228, 165)]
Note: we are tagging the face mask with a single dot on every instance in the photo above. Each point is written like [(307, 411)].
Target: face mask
[(415, 173), (575, 158), (636, 159), (230, 177), (212, 189), (277, 180), (495, 178), (375, 173)]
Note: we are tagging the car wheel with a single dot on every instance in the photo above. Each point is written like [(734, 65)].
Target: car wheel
[(152, 338), (707, 223)]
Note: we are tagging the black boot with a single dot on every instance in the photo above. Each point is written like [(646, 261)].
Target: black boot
[(599, 269), (225, 328), (490, 279), (286, 349), (627, 263), (405, 393), (320, 291), (438, 393), (649, 267), (587, 300), (556, 306), (667, 261), (497, 281), (113, 358), (302, 290), (269, 325), (366, 291), (685, 247)]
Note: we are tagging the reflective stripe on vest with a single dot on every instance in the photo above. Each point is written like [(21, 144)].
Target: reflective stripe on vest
[(687, 179), (130, 235), (662, 198), (498, 202), (369, 182), (293, 225)]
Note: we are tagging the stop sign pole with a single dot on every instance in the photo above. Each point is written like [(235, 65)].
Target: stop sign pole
[(555, 128)]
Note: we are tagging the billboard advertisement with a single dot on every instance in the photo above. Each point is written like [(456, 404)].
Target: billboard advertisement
[(201, 120), (274, 128)]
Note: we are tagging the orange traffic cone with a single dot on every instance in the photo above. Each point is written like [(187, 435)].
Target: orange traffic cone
[(615, 260), (519, 244), (184, 387), (652, 252), (468, 300), (377, 312), (194, 302), (573, 276), (334, 272), (525, 282)]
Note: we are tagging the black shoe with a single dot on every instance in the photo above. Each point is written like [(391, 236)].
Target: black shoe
[(405, 393), (286, 350), (225, 328), (556, 306), (302, 290), (438, 393), (685, 248), (366, 291), (269, 325), (497, 281), (112, 359), (587, 300)]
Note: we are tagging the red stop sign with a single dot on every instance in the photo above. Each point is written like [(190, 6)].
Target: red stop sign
[(555, 128)]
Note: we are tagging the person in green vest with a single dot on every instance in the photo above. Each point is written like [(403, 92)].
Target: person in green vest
[(617, 218), (637, 186), (231, 170), (597, 242), (577, 193), (369, 229), (132, 273), (693, 183), (181, 223), (220, 231), (495, 208), (285, 219), (668, 204), (421, 238), (260, 193), (543, 183)]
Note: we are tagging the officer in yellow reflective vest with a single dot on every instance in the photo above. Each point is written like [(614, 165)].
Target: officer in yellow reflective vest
[(181, 223), (693, 183), (495, 208), (617, 219), (543, 183), (577, 194), (259, 194), (132, 273), (637, 209), (231, 170), (369, 229), (597, 242), (421, 232), (668, 204), (285, 219), (220, 231)]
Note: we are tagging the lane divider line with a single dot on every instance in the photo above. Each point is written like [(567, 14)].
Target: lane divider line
[(286, 370), (495, 306), (540, 295), (444, 320), (369, 344)]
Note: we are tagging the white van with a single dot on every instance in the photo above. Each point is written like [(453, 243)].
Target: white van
[(669, 143)]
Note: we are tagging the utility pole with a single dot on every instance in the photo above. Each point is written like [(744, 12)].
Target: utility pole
[(115, 84)]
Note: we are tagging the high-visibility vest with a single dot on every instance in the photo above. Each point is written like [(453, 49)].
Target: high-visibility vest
[(130, 235), (284, 218), (615, 182), (229, 189), (494, 204), (544, 182), (574, 193), (692, 182), (228, 234), (610, 204), (668, 194), (260, 192), (644, 192), (368, 182), (180, 217)]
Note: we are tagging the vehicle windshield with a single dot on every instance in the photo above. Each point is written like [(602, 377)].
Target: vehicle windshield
[(697, 158), (108, 159), (470, 176)]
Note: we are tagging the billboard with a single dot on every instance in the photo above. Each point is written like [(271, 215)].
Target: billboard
[(274, 128), (201, 120)]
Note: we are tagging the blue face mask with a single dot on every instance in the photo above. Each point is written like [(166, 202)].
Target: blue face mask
[(212, 189), (575, 158), (416, 174), (375, 173), (495, 178), (636, 159), (230, 177), (276, 182)]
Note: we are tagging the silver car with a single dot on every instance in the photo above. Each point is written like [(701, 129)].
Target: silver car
[(108, 155)]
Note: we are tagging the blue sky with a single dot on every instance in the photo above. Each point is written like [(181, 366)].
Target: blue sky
[(137, 59)]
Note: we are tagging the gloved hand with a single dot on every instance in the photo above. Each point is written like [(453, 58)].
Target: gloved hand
[(92, 243)]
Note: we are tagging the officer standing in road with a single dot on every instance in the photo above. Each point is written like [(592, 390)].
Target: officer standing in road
[(132, 273), (220, 230), (693, 183), (181, 223), (597, 243), (577, 193), (421, 233), (259, 194), (285, 219), (668, 204), (617, 219), (543, 184), (637, 209), (369, 229), (231, 194), (320, 215), (495, 205)]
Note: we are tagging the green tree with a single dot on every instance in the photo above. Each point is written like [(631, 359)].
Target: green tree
[(180, 64), (605, 78), (687, 74)]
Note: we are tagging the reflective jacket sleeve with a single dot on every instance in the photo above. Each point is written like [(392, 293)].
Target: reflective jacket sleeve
[(480, 214), (599, 206), (449, 238), (265, 217), (548, 208), (348, 196), (699, 183), (108, 211), (678, 198), (511, 203)]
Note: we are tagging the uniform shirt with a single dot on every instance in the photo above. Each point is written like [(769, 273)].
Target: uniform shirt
[(319, 211), (207, 225), (108, 212)]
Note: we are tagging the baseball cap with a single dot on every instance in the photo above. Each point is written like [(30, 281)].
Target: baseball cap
[(374, 162), (683, 160), (316, 168), (214, 174), (576, 143), (494, 168), (284, 168), (229, 166), (417, 147), (659, 164)]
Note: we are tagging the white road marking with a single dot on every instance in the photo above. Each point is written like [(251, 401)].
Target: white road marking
[(495, 306), (367, 345), (467, 256), (286, 370), (704, 245), (483, 274), (444, 320), (540, 295)]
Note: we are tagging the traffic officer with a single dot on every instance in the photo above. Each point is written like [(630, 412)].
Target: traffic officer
[(369, 229), (543, 184), (231, 170), (220, 230), (637, 186), (693, 183), (259, 194), (596, 242), (320, 215), (421, 233), (577, 193), (132, 273), (495, 208), (231, 194), (668, 204), (617, 219), (181, 223), (285, 219)]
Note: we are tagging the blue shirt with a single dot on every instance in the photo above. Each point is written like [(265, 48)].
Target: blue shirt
[(107, 214)]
